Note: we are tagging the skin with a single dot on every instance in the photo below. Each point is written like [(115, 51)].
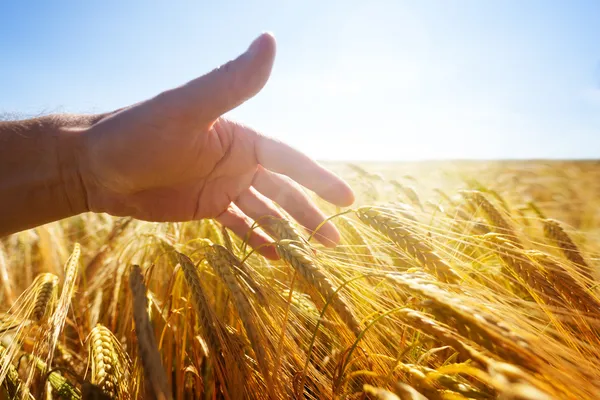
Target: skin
[(170, 158)]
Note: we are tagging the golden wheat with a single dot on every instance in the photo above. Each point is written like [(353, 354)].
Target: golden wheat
[(494, 217), (109, 366), (219, 259), (555, 232), (418, 249), (44, 295), (452, 297), (297, 257), (148, 349), (482, 329)]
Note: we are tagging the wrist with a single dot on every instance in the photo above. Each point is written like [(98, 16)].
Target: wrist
[(69, 146), (70, 159)]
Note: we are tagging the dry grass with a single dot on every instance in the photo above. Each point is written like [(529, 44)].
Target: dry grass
[(451, 281)]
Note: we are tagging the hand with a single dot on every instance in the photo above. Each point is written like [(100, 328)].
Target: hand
[(174, 158)]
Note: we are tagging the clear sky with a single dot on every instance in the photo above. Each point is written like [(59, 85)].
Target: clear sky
[(370, 80)]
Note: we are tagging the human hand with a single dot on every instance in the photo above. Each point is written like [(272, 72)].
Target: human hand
[(174, 158)]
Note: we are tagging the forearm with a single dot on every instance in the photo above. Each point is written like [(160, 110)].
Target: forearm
[(39, 171)]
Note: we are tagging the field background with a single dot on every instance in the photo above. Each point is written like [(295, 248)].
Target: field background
[(451, 283)]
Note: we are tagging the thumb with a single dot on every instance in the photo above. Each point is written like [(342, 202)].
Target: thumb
[(230, 85)]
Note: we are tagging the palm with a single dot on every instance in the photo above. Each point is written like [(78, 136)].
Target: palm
[(174, 158)]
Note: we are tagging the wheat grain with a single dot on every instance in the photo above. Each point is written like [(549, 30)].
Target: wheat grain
[(4, 277), (201, 304)]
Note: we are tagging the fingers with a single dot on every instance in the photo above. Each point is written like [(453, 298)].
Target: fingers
[(257, 206), (240, 224), (283, 159), (292, 198), (210, 96)]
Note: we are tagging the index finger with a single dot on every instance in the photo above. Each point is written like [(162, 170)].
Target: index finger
[(279, 157)]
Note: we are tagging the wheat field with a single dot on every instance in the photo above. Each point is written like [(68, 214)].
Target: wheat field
[(453, 280)]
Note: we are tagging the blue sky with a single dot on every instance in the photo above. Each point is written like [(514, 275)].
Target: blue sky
[(380, 80)]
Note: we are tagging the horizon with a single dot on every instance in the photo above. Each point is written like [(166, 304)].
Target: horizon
[(380, 82)]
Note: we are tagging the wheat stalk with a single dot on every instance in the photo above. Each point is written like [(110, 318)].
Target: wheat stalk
[(4, 277), (148, 350)]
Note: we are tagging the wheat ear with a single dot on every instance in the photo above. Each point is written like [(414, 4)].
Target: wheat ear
[(59, 316), (221, 349), (529, 275), (494, 217), (396, 231), (481, 329), (556, 233), (149, 353), (218, 258), (44, 295), (107, 360), (569, 288), (300, 259)]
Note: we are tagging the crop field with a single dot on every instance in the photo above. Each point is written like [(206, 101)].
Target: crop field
[(452, 280)]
